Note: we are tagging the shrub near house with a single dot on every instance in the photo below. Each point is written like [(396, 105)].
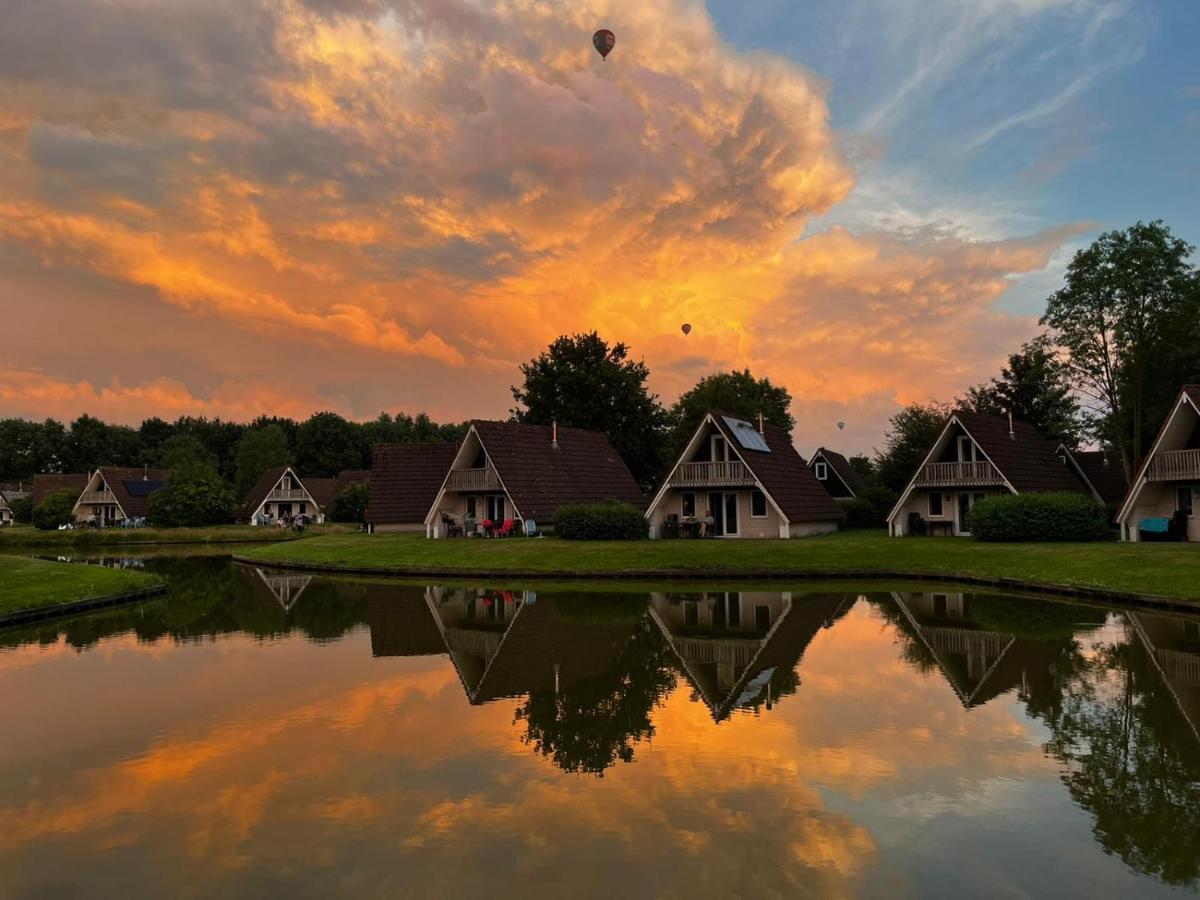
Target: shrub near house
[(609, 521), (57, 509), (1039, 517)]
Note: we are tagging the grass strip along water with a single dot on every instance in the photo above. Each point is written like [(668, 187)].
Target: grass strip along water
[(20, 538), (1122, 571), (32, 588)]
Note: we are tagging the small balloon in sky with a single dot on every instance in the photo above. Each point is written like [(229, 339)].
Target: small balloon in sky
[(841, 426), (603, 40), (685, 328)]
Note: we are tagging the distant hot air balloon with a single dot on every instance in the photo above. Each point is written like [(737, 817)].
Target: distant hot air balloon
[(603, 40), (685, 328), (841, 426)]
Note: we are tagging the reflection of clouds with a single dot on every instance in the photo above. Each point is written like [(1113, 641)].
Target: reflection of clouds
[(454, 184)]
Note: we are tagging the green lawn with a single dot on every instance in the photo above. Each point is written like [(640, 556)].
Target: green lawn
[(34, 583), (20, 537), (1168, 570)]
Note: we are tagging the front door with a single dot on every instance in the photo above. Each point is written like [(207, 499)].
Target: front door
[(724, 509), (965, 503)]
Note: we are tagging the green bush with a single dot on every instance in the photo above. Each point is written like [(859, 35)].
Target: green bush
[(1039, 517), (194, 497), (351, 504), (55, 509), (22, 510), (608, 521), (869, 509)]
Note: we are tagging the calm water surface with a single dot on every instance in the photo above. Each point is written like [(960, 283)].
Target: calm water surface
[(255, 734)]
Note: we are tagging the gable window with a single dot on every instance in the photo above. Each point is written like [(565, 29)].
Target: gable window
[(966, 449), (758, 504), (935, 505), (688, 505), (720, 448), (822, 469)]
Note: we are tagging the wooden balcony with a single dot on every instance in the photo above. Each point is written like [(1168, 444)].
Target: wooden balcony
[(288, 494), (965, 474), (466, 481), (1174, 465), (712, 474), (97, 497)]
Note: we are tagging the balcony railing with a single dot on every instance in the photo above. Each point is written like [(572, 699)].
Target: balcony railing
[(466, 480), (728, 651), (712, 474), (97, 497), (958, 473), (1174, 465), (288, 494)]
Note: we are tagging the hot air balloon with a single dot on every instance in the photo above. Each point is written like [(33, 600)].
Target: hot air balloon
[(685, 328), (603, 40), (841, 426)]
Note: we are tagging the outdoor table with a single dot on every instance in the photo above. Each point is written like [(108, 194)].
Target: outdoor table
[(943, 525)]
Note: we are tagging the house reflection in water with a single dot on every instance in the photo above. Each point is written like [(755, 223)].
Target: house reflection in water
[(739, 649), (1173, 646), (980, 660), (285, 587)]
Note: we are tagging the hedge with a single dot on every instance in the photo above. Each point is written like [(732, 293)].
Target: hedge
[(608, 521), (1039, 517)]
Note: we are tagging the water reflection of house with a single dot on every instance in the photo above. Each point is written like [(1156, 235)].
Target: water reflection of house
[(509, 643), (401, 622), (1173, 644), (285, 587), (980, 664), (740, 648)]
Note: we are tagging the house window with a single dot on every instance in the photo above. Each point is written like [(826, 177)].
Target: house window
[(1183, 500), (966, 449), (758, 504), (304, 509), (822, 471), (471, 506), (935, 505), (762, 618), (688, 505)]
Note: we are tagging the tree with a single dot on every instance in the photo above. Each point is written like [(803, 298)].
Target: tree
[(1036, 387), (193, 497), (1113, 318), (326, 445), (92, 443), (739, 393), (351, 504), (259, 450), (912, 432), (183, 451), (582, 382), (27, 448), (22, 510), (55, 509)]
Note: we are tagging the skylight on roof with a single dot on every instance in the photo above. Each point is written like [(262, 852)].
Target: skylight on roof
[(747, 435)]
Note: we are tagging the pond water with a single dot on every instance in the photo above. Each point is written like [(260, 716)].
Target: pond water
[(258, 734)]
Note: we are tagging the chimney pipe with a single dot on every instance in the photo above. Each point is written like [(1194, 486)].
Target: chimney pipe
[(1011, 434), (762, 428), (554, 433)]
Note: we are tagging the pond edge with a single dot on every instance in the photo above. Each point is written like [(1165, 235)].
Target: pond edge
[(41, 613)]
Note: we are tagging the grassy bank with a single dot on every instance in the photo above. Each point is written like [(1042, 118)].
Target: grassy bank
[(18, 538), (1167, 570), (34, 583)]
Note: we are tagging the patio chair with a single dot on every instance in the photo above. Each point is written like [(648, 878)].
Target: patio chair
[(531, 528), (916, 524), (469, 526), (505, 530), (671, 527), (1155, 528)]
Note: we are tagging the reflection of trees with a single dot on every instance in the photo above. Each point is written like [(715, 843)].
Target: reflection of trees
[(591, 724), (207, 597), (1130, 762)]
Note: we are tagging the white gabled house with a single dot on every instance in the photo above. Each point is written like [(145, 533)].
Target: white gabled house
[(1167, 486)]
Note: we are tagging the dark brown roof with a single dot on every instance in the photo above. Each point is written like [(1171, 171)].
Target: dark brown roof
[(254, 497), (1029, 461), (842, 468), (320, 489), (1105, 472), (405, 479), (133, 487), (540, 478), (785, 476), (349, 479), (1193, 392), (44, 485)]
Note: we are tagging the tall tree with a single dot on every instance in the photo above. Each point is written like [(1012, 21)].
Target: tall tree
[(326, 444), (582, 382), (1113, 319), (911, 433), (739, 393), (260, 449), (1036, 387), (27, 448), (92, 443)]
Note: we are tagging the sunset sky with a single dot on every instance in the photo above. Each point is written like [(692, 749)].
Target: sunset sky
[(234, 207)]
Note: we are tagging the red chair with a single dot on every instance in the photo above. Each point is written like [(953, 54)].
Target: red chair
[(487, 527), (506, 529)]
